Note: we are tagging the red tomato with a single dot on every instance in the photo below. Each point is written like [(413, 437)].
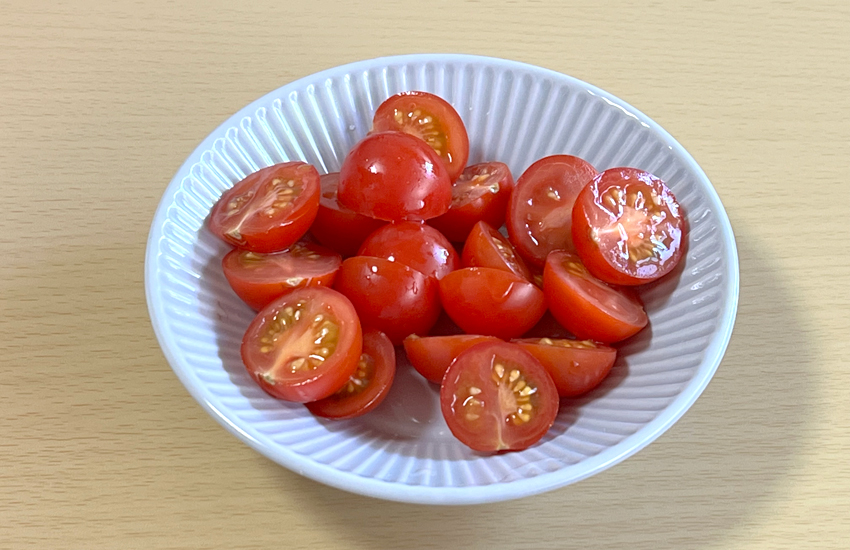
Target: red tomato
[(576, 366), (586, 306), (540, 211), (430, 118), (394, 176), (414, 244), (497, 397), (337, 227), (486, 247), (432, 355), (369, 384), (259, 278), (493, 302), (303, 346), (390, 296), (481, 193), (268, 210), (627, 227)]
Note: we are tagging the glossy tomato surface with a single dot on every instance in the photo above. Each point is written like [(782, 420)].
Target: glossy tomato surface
[(497, 397), (486, 247), (430, 118), (628, 227), (367, 387), (576, 366), (394, 176), (390, 296), (259, 278), (586, 306), (337, 227), (270, 209), (303, 346), (539, 217), (481, 193), (492, 302), (414, 244), (432, 355)]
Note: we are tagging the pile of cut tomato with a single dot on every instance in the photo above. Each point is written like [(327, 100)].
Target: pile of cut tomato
[(407, 249)]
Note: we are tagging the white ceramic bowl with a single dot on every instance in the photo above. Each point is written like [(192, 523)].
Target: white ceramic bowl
[(403, 450)]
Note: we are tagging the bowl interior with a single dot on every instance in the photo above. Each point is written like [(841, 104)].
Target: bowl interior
[(515, 113)]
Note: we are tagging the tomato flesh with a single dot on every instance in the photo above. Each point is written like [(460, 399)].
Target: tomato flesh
[(432, 355), (303, 346), (415, 245), (576, 366), (270, 209), (486, 247), (337, 227), (496, 397), (628, 227)]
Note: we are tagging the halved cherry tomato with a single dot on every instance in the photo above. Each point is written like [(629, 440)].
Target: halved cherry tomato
[(486, 247), (586, 306), (259, 278), (414, 244), (541, 206), (432, 355), (430, 118), (576, 366), (268, 210), (303, 346), (394, 176), (492, 302), (496, 396), (481, 193), (627, 227), (369, 384), (337, 227), (390, 296)]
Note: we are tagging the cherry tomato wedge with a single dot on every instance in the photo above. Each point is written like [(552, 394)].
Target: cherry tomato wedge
[(586, 306), (627, 227), (540, 211), (481, 193), (394, 176), (576, 366), (486, 247), (430, 118), (432, 355), (390, 296), (369, 384), (414, 244), (492, 302), (496, 397), (337, 227), (303, 346), (259, 278), (270, 209)]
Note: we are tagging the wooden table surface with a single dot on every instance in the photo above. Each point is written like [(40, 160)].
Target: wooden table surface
[(100, 103)]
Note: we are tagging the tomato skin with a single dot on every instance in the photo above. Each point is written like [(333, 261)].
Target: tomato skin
[(394, 176), (337, 227), (491, 302), (586, 306), (390, 296), (495, 396), (540, 210), (432, 355), (377, 371), (486, 247), (259, 278), (414, 244), (430, 118), (576, 366), (258, 215), (623, 200), (272, 364), (481, 193)]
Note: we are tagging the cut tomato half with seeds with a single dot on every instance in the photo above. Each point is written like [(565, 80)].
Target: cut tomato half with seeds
[(367, 387), (270, 209), (432, 355), (486, 247), (497, 397), (303, 346), (576, 366)]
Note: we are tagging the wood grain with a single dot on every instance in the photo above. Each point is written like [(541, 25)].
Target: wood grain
[(100, 445)]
